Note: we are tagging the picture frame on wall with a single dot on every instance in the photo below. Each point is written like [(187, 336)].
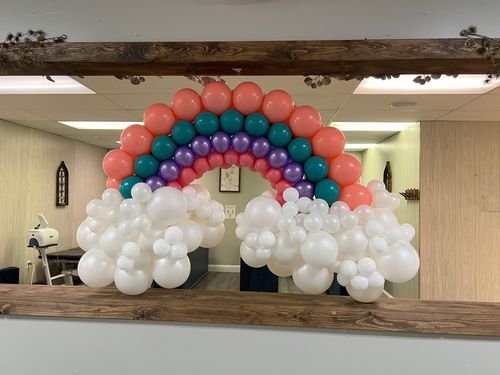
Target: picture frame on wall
[(229, 180)]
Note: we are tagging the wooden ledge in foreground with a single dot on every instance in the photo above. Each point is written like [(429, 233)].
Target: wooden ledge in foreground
[(285, 310)]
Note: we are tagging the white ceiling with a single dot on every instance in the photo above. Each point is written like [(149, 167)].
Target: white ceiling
[(117, 100), (195, 20)]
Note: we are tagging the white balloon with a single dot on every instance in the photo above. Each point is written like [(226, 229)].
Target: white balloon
[(378, 246), (376, 280), (133, 282), (392, 234), (173, 234), (167, 206), (125, 263), (212, 236), (349, 220), (178, 251), (313, 222), (335, 266), (299, 219), (113, 216), (343, 280), (365, 296), (386, 216), (319, 206), (407, 232), (290, 209), (111, 197), (141, 192), (141, 223), (192, 203), (353, 244), (144, 261), (189, 191), (216, 218), (263, 253), (348, 268), (339, 208), (171, 273), (111, 242), (381, 199), (261, 213), (130, 208), (161, 248), (303, 204), (95, 208), (364, 213), (319, 249), (242, 231), (252, 240), (285, 251), (131, 249), (269, 194), (359, 282), (239, 218), (249, 256), (281, 270), (85, 238), (401, 264), (366, 266), (204, 211), (291, 195), (298, 235), (374, 228), (96, 269), (201, 192), (267, 239), (147, 239), (394, 202), (285, 224), (192, 233), (95, 225), (331, 224), (312, 280), (375, 185), (126, 230)]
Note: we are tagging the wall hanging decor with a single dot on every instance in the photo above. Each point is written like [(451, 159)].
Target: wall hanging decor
[(229, 180), (62, 186)]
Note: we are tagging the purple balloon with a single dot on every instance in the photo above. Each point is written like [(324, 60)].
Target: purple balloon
[(155, 182), (293, 172), (278, 158), (169, 170), (305, 188), (201, 145), (221, 141), (241, 142), (260, 147), (184, 156)]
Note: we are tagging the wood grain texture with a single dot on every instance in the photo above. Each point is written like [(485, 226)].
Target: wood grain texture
[(460, 211), (370, 57), (224, 307)]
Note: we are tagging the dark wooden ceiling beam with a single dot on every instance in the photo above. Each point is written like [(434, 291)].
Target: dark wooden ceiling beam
[(355, 57)]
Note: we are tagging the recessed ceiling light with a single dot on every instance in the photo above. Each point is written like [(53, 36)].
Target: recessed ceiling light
[(403, 104), (463, 84), (99, 125), (358, 146), (372, 126), (22, 85), (119, 142)]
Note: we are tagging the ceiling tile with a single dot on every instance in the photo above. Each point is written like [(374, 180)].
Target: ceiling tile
[(472, 116), (81, 102), (18, 114), (374, 115), (138, 101), (483, 103), (60, 114)]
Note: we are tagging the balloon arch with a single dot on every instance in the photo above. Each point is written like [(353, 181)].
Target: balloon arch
[(320, 220)]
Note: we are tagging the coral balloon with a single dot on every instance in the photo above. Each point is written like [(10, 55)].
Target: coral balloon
[(355, 195), (273, 175), (136, 140), (247, 97), (215, 160), (187, 176), (277, 106), (216, 97), (186, 104), (304, 121), (261, 165), (328, 142), (113, 183), (201, 166), (159, 119), (247, 160), (345, 169), (118, 164), (231, 157)]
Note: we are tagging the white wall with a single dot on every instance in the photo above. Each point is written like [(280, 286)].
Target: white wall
[(62, 347)]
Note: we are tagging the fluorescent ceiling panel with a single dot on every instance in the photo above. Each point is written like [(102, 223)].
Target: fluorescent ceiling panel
[(99, 125), (358, 146), (23, 85), (463, 84), (372, 126)]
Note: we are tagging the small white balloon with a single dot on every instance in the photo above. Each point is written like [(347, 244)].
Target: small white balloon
[(95, 208), (113, 216), (85, 238), (359, 282), (147, 239), (339, 208), (263, 253), (212, 236), (366, 295), (130, 208), (349, 220), (161, 248), (394, 202), (131, 249), (376, 280), (353, 244), (171, 273), (285, 251), (217, 218), (111, 242), (303, 204), (178, 251), (374, 228), (366, 266), (312, 280), (381, 199), (111, 197), (335, 267), (267, 239), (401, 264), (141, 192), (298, 235), (285, 224), (241, 232), (392, 234), (96, 269), (126, 230), (192, 233), (313, 222), (189, 191), (407, 232), (291, 195), (386, 216), (249, 256), (201, 192), (269, 194), (378, 246), (343, 280), (141, 223), (173, 234), (319, 206), (290, 209), (348, 268), (133, 282), (299, 219), (375, 185), (252, 240), (192, 203), (239, 218), (319, 249), (95, 225), (331, 224), (203, 211), (280, 270), (125, 263), (364, 213)]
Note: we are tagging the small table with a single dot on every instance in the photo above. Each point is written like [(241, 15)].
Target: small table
[(65, 258)]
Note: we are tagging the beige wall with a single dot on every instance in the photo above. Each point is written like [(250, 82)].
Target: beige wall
[(402, 150), (460, 204), (29, 159)]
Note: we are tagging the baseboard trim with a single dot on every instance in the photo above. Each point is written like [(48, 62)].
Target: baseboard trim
[(223, 268)]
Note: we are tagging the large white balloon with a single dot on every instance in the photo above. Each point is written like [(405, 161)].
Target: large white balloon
[(285, 251), (212, 236), (369, 294), (96, 269), (134, 281), (353, 244), (281, 270), (167, 206), (85, 238), (111, 197), (261, 213), (192, 233), (401, 264), (171, 273), (249, 256), (386, 216), (141, 192), (319, 249), (111, 242), (312, 280)]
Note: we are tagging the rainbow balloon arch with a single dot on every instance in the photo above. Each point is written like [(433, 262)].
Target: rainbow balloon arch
[(320, 220)]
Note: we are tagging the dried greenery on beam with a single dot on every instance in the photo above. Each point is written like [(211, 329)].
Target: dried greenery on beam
[(204, 80), (484, 46)]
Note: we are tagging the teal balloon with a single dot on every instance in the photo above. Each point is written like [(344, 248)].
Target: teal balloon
[(232, 121), (183, 133), (256, 124), (315, 168), (127, 184), (279, 135), (328, 190), (146, 165), (163, 147), (299, 149), (206, 123)]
